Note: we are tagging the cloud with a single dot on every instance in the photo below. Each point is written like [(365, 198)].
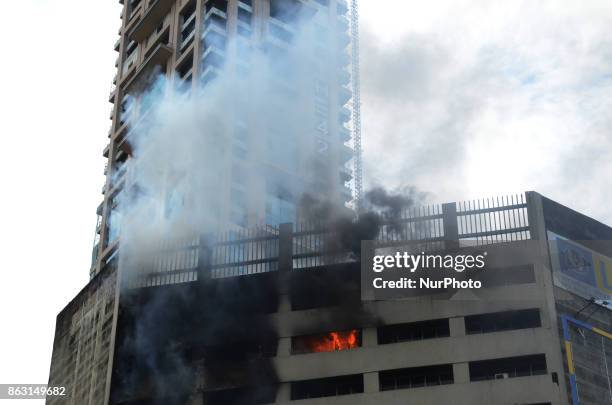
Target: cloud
[(490, 98)]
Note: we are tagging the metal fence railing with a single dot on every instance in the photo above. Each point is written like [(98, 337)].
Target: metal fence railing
[(306, 245), (494, 220)]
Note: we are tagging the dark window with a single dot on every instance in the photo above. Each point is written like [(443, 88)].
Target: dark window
[(413, 331), (216, 20), (127, 104), (189, 9), (132, 45), (285, 10), (188, 25), (244, 15), (497, 277), (500, 321), (247, 2), (132, 5), (415, 377), (242, 350), (185, 67), (326, 342), (242, 396), (218, 4), (327, 387), (508, 367)]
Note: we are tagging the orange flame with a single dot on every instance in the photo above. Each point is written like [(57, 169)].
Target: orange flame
[(335, 341)]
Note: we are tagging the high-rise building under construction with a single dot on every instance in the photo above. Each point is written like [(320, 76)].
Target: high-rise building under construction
[(295, 137)]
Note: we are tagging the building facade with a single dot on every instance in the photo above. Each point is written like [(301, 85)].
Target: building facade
[(288, 323), (296, 138)]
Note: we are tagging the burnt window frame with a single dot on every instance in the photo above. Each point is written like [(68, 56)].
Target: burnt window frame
[(297, 338)]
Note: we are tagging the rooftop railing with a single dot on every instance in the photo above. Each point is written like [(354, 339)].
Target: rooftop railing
[(306, 245)]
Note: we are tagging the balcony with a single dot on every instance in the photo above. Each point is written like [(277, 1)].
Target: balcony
[(161, 36), (343, 24), (217, 18), (219, 5), (345, 134), (346, 153), (343, 58), (111, 95), (157, 57), (213, 56), (214, 36), (346, 174), (344, 95), (150, 20), (187, 32), (123, 142), (209, 74), (346, 194), (291, 12), (129, 66), (343, 39), (344, 77), (344, 115), (134, 10), (342, 7)]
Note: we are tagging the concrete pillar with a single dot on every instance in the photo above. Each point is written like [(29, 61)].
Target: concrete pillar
[(457, 326), (461, 373), (451, 228), (284, 303), (285, 265), (285, 247), (204, 257), (284, 347), (369, 337), (284, 393), (370, 382)]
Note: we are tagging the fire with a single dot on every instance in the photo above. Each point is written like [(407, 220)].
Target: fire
[(335, 341)]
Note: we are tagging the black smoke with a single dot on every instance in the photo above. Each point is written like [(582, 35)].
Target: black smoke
[(384, 211), (177, 341)]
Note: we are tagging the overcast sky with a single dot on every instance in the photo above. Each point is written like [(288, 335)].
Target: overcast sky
[(468, 99), (462, 99)]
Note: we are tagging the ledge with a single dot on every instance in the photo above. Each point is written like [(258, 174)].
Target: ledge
[(150, 20), (160, 54)]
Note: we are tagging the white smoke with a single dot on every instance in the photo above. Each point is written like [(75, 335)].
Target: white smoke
[(181, 166)]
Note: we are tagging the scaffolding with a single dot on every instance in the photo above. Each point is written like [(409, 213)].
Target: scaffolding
[(358, 169)]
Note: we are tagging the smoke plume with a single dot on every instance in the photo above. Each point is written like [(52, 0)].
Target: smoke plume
[(188, 146)]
